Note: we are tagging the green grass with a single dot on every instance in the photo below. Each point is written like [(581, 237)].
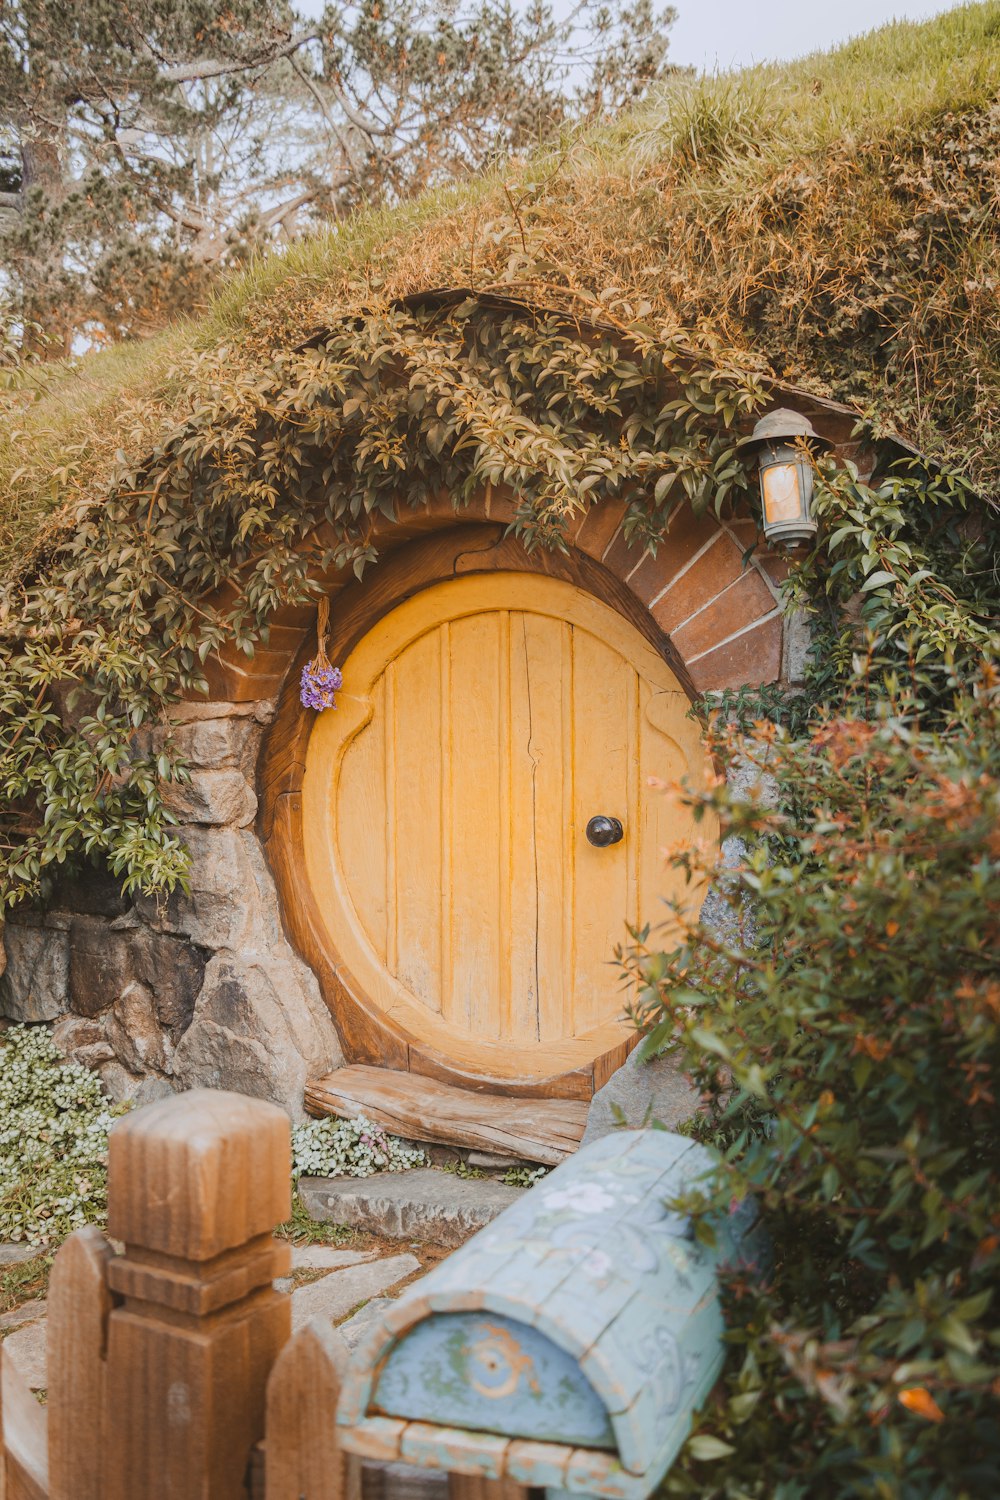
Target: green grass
[(302, 1230)]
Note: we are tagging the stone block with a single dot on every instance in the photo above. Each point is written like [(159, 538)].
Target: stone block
[(215, 743), (100, 965), (419, 1205), (212, 797), (35, 983), (133, 1029), (639, 1094), (698, 582), (360, 1324), (747, 661), (327, 1258), (338, 1294), (742, 604), (798, 645), (28, 1312), (151, 1090), (223, 904), (16, 1255), (257, 1030), (82, 1040), (174, 971), (119, 1084)]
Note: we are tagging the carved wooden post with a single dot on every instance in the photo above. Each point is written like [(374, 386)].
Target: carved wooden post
[(196, 1184)]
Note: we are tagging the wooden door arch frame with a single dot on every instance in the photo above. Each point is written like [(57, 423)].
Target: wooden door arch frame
[(367, 1035)]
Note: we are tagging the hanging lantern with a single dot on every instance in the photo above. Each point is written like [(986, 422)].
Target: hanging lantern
[(783, 441), (320, 680)]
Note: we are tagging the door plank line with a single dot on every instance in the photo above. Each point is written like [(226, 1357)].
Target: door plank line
[(391, 885), (447, 915), (533, 758), (569, 820), (504, 948), (633, 804)]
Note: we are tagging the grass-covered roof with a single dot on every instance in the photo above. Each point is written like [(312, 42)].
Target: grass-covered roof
[(834, 220)]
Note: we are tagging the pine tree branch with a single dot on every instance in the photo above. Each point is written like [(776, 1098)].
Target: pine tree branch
[(206, 68)]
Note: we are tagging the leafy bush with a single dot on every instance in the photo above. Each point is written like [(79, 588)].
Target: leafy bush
[(54, 1123), (843, 1023), (350, 1148)]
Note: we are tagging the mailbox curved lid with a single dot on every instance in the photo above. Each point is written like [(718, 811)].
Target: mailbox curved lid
[(593, 1261)]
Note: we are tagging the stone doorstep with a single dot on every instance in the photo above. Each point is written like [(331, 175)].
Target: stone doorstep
[(421, 1205)]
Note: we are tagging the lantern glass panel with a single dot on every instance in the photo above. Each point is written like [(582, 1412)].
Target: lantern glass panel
[(781, 491)]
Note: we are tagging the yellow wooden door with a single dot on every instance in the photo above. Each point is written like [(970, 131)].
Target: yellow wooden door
[(482, 724)]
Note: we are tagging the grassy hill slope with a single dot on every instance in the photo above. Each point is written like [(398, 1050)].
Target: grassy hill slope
[(835, 219)]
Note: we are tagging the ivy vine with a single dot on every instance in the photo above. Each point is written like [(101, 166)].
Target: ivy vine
[(275, 477)]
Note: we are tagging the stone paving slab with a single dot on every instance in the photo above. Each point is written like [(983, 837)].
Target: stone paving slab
[(15, 1255), (28, 1312), (326, 1257), (27, 1348), (355, 1328), (337, 1294), (421, 1205), (320, 1258)]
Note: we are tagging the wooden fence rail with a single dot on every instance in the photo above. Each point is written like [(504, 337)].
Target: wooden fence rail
[(173, 1375)]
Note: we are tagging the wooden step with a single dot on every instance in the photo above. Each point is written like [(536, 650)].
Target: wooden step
[(421, 1109)]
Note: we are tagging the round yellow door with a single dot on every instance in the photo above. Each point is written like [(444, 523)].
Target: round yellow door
[(482, 725)]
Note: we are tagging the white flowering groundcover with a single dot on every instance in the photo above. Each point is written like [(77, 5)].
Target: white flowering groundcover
[(54, 1123), (350, 1148)]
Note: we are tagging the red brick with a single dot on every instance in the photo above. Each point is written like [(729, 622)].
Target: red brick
[(598, 527), (622, 556), (748, 661), (777, 566), (717, 568), (746, 600), (686, 535)]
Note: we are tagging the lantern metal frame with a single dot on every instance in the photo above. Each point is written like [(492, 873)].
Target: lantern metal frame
[(784, 442)]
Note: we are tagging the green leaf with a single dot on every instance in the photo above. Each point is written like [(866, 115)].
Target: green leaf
[(706, 1449)]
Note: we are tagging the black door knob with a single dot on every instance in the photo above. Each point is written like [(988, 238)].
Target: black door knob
[(603, 831)]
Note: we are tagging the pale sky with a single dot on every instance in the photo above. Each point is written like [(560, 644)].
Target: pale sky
[(722, 34), (733, 33)]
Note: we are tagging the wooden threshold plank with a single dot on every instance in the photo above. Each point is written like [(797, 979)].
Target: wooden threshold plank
[(422, 1109)]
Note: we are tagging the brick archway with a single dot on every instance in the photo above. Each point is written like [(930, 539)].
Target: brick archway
[(720, 611)]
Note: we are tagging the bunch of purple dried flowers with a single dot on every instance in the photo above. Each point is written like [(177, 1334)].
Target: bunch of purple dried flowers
[(319, 684), (320, 680)]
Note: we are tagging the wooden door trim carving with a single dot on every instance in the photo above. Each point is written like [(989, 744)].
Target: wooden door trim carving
[(367, 1034)]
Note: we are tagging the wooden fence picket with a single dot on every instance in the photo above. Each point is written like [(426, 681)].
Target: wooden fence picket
[(79, 1306), (24, 1459), (303, 1456)]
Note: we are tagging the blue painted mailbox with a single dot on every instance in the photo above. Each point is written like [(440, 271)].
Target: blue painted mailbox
[(568, 1343)]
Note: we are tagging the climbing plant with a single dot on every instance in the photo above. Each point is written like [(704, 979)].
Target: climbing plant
[(280, 471)]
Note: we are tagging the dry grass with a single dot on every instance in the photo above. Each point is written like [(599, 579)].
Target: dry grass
[(834, 219)]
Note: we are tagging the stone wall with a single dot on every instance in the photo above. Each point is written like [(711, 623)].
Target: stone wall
[(199, 989)]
